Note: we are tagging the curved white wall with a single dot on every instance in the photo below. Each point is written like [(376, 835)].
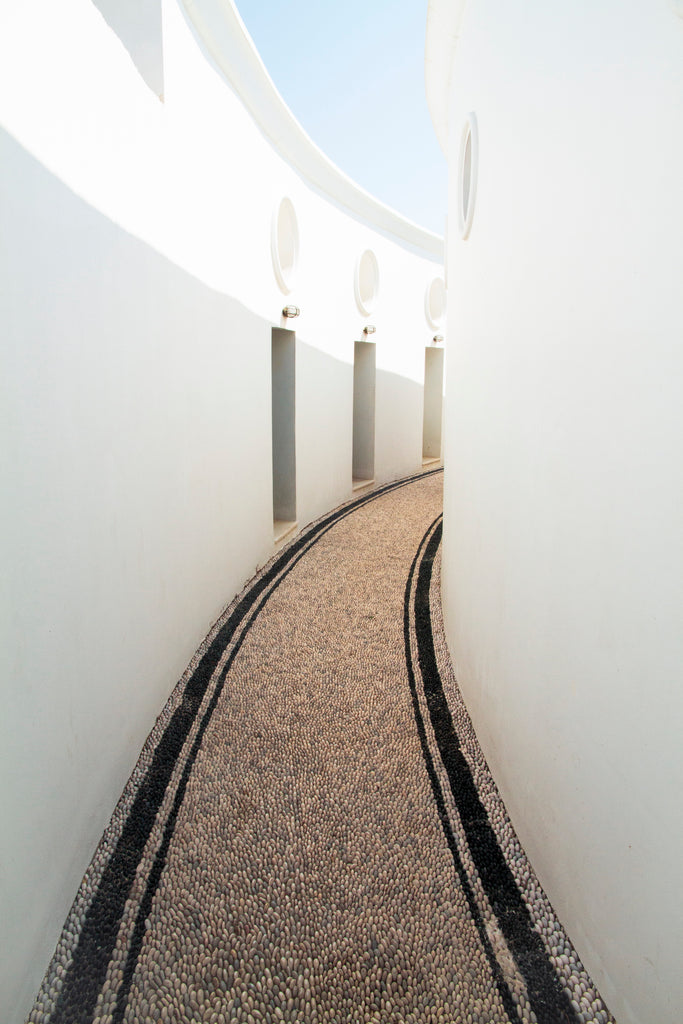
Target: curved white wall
[(563, 546), (137, 302)]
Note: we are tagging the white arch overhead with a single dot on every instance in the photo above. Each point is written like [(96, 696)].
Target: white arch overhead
[(223, 33)]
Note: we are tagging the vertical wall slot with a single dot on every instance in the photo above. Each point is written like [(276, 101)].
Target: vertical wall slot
[(284, 436), (363, 413), (433, 405)]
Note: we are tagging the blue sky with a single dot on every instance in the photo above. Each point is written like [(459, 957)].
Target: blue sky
[(352, 72)]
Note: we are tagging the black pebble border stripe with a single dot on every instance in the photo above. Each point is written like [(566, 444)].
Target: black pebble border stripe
[(278, 852), (549, 1001), (87, 970)]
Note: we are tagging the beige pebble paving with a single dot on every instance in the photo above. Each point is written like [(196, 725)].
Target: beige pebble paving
[(307, 877)]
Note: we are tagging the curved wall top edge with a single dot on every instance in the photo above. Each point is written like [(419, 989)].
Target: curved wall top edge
[(223, 33), (444, 18)]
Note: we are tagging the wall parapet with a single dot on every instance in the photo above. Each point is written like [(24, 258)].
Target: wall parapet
[(226, 40)]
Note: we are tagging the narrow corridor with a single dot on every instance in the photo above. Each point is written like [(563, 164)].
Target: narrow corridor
[(311, 832)]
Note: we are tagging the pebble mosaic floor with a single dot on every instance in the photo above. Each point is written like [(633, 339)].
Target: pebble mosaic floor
[(311, 832)]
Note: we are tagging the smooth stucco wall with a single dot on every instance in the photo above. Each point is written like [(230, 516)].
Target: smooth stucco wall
[(137, 303), (137, 23), (563, 548)]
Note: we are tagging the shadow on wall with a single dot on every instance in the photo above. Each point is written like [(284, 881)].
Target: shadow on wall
[(137, 23), (137, 420), (138, 501)]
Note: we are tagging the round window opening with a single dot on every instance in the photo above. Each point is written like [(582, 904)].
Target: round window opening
[(435, 303), (468, 168), (284, 244), (366, 282)]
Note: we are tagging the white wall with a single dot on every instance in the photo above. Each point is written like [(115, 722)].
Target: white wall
[(137, 301), (563, 547), (137, 23)]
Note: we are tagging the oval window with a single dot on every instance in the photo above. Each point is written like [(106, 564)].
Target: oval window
[(366, 282), (435, 303), (284, 244), (467, 174)]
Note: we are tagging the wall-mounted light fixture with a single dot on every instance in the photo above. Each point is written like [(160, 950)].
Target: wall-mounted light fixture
[(437, 338), (369, 329), (290, 311)]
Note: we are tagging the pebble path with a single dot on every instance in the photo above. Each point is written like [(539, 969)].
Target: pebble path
[(311, 832)]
